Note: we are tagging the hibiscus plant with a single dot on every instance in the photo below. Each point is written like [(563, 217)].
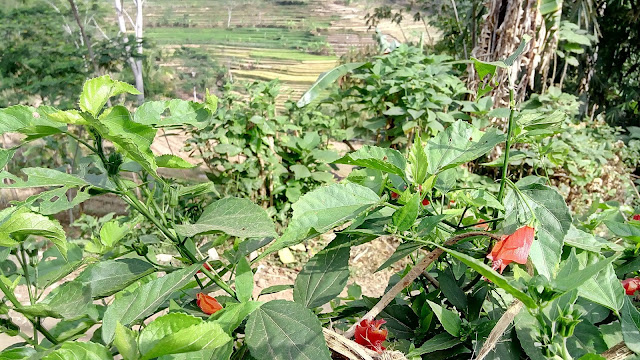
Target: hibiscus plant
[(480, 257)]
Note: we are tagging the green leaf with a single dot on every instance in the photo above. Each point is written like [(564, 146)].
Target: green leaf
[(18, 117), (162, 327), (439, 342), (144, 300), (300, 171), (181, 113), (323, 209), (17, 353), (406, 216), (594, 277), (450, 321), (68, 117), (583, 240), (204, 336), (325, 80), (418, 162), (232, 315), (283, 330), (527, 329), (586, 339), (40, 177), (523, 43), (458, 144), (373, 157), (70, 300), (493, 276), (5, 156), (23, 223), (233, 216), (401, 252), (80, 350), (110, 276), (630, 321), (244, 280), (451, 290), (324, 276), (133, 139), (627, 231), (55, 201), (173, 162), (125, 342), (554, 221), (570, 277), (97, 91)]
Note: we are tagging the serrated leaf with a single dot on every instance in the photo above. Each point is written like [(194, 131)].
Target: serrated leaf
[(40, 177), (323, 209), (283, 330), (233, 216), (5, 156), (133, 139), (144, 300), (232, 315), (204, 336), (458, 144), (110, 276), (18, 117), (173, 162), (97, 91), (181, 112), (70, 300), (54, 201), (406, 216), (80, 350), (630, 322), (23, 223), (450, 321), (162, 327), (554, 220), (325, 80), (373, 157), (126, 343), (19, 353), (493, 276), (324, 276), (244, 280)]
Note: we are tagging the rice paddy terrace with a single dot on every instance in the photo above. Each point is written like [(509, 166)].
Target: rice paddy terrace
[(293, 41)]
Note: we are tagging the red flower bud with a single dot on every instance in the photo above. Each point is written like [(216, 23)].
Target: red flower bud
[(207, 304), (206, 266), (631, 285), (369, 334), (514, 247), (426, 202), (394, 195), (636, 217)]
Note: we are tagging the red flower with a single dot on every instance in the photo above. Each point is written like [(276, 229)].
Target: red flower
[(369, 334), (426, 202), (636, 217), (514, 247), (207, 304), (206, 266), (631, 285), (394, 195)]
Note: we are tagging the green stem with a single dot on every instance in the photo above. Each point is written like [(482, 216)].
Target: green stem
[(16, 304), (507, 146)]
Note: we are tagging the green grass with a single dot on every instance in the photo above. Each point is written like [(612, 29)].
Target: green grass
[(253, 37)]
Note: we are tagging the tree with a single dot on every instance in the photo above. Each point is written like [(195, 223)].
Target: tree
[(231, 5), (135, 62)]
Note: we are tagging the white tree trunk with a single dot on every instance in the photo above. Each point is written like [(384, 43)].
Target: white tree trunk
[(135, 64), (229, 9)]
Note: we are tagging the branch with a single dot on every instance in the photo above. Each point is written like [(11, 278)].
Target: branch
[(499, 329), (619, 352), (412, 275)]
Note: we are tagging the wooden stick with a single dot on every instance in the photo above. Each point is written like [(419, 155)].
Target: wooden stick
[(412, 275), (619, 352), (499, 329)]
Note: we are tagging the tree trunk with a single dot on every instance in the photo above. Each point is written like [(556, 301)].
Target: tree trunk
[(135, 64), (229, 17), (85, 39)]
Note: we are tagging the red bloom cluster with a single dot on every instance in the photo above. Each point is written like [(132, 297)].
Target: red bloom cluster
[(514, 247), (631, 285), (369, 334), (636, 217), (207, 304), (426, 202)]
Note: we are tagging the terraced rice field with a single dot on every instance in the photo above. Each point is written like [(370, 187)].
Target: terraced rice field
[(268, 39)]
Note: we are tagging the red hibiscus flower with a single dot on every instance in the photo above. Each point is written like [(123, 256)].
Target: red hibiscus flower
[(207, 304), (636, 217), (514, 247), (394, 195), (631, 285), (369, 334), (426, 202)]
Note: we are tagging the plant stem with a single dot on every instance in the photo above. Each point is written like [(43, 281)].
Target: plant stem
[(16, 304), (507, 146)]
